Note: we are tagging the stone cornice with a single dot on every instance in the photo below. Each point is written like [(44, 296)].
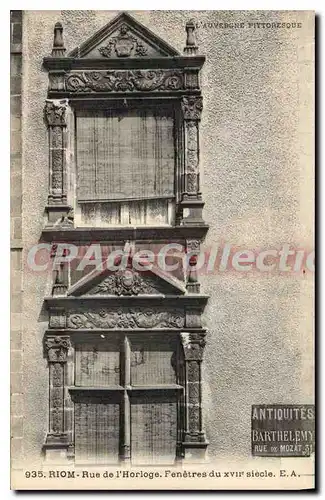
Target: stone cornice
[(192, 300), (71, 63)]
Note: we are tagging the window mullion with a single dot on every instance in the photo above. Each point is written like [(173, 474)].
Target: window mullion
[(126, 425)]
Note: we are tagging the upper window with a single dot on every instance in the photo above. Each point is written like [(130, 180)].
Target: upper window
[(125, 166)]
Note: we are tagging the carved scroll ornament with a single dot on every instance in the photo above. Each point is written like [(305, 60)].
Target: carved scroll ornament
[(124, 81), (126, 318)]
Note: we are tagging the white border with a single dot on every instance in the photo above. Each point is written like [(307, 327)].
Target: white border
[(318, 6)]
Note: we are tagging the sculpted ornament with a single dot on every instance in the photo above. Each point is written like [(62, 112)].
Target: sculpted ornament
[(191, 182), (55, 112), (57, 348), (124, 45), (126, 282), (126, 318), (57, 375), (192, 107), (124, 81)]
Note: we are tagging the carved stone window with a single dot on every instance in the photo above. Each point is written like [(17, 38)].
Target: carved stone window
[(125, 348), (123, 115), (127, 400)]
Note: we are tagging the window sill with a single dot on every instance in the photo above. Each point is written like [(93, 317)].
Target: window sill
[(122, 233)]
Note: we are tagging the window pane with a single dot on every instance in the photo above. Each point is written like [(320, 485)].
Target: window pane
[(153, 360), (123, 155), (153, 429), (97, 430), (97, 365), (135, 212)]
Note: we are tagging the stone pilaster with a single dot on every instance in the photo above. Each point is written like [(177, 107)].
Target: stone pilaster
[(56, 113), (192, 203), (194, 442), (57, 348)]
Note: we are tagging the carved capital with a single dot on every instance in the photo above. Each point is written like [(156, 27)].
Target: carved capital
[(193, 246), (193, 345), (192, 107), (55, 112), (57, 348)]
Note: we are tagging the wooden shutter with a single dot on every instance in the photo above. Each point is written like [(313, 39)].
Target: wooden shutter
[(97, 430), (125, 155), (97, 365), (153, 428), (153, 362)]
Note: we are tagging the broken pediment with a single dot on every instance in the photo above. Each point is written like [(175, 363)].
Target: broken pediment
[(127, 282), (124, 37)]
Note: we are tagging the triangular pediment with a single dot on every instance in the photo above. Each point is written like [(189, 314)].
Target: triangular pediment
[(127, 282), (124, 37)]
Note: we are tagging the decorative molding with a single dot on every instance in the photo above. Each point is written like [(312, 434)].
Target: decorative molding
[(126, 318), (55, 112), (124, 81), (192, 149), (123, 45), (57, 348), (192, 107)]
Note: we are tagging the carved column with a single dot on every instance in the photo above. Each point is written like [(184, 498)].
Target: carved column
[(192, 252), (56, 112), (60, 274), (57, 350), (192, 199), (194, 442)]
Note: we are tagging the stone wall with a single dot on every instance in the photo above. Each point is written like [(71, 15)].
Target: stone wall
[(16, 234)]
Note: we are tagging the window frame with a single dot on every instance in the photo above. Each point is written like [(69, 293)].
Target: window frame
[(93, 105), (125, 391)]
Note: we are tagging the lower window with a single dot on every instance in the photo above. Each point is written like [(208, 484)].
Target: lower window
[(127, 398)]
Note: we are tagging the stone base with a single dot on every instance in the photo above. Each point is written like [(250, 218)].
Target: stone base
[(192, 209), (57, 448), (56, 214), (194, 452)]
